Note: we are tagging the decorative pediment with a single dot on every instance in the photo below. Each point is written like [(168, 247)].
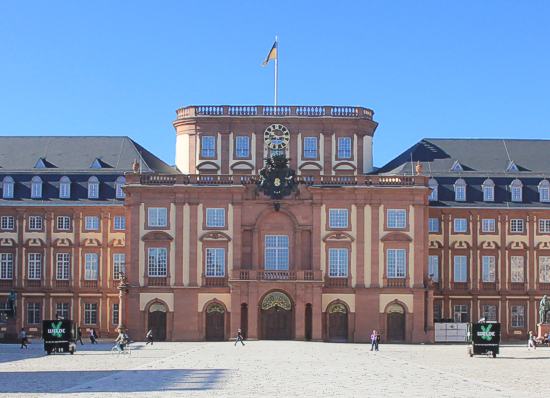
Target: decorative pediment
[(488, 244), (208, 165), (62, 242), (517, 245), (215, 235), (460, 244), (435, 244), (344, 166), (242, 165), (35, 242), (157, 236), (91, 242), (396, 237), (543, 245), (7, 242), (311, 166), (338, 236), (118, 242)]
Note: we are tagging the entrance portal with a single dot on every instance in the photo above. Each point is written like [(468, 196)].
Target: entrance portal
[(396, 323), (157, 321), (215, 322), (277, 318), (338, 323)]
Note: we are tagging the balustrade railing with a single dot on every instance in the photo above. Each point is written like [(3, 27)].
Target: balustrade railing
[(6, 283), (337, 282), (396, 282), (161, 281), (276, 275), (89, 284), (61, 283), (517, 286), (214, 281), (34, 283)]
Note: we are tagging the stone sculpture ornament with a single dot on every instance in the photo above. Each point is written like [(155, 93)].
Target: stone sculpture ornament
[(277, 180), (544, 307)]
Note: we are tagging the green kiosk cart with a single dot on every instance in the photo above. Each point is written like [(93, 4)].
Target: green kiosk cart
[(484, 338), (59, 336)]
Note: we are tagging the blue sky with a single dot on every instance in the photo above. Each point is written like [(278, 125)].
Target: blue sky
[(427, 68)]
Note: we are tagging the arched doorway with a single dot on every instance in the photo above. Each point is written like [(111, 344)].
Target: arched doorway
[(244, 319), (215, 322), (338, 322), (276, 316), (309, 322), (396, 323), (157, 321)]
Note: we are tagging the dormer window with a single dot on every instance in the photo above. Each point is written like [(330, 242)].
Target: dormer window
[(93, 188), (512, 167), (544, 191), (120, 181), (460, 190), (488, 188), (7, 187), (434, 187), (516, 188), (457, 167), (36, 187), (64, 188)]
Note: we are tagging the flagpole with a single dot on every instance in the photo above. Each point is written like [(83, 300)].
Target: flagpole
[(276, 69)]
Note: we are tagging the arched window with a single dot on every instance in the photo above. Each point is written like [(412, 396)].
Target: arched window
[(93, 188), (7, 187), (36, 187), (433, 186), (544, 191), (120, 181), (64, 187), (460, 190), (516, 188), (488, 188)]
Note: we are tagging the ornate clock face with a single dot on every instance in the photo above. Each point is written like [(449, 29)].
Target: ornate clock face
[(276, 136)]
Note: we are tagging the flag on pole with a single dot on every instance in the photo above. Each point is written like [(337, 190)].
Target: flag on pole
[(271, 55)]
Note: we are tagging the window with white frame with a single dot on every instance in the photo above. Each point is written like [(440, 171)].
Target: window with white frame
[(433, 268), (115, 314), (7, 187), (35, 223), (63, 223), (517, 269), (310, 148), (62, 311), (208, 146), (90, 313), (91, 266), (91, 223), (544, 225), (215, 217), (460, 190), (344, 147), (433, 225), (397, 218), (119, 183), (215, 262), (544, 269), (488, 269), (460, 269), (434, 186), (93, 187), (62, 266), (516, 189), (36, 187), (488, 225), (34, 266), (544, 191), (518, 316), (489, 312), (516, 225), (460, 225), (461, 313), (157, 265), (276, 252), (7, 222), (119, 265), (6, 265), (242, 146), (488, 190), (338, 263), (338, 218), (34, 315), (119, 223), (157, 217), (397, 263), (64, 187)]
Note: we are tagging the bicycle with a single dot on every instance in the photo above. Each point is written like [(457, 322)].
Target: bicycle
[(127, 349)]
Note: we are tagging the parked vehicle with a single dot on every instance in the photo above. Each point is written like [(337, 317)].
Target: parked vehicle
[(59, 336), (484, 338)]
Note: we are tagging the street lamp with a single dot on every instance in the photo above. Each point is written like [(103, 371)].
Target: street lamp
[(122, 287)]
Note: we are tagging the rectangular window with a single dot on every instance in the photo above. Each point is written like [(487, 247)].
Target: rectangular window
[(6, 265), (433, 193), (433, 268), (64, 190), (36, 190), (157, 217), (488, 194), (460, 225), (344, 148), (35, 223), (489, 312), (397, 218), (518, 316), (438, 314), (63, 223), (91, 223), (544, 226), (7, 222), (488, 225), (157, 265), (90, 313), (544, 269), (208, 146), (338, 218), (242, 146), (119, 223), (215, 217), (517, 269), (461, 313), (460, 269), (338, 263), (488, 272), (516, 194), (34, 266), (460, 193), (433, 225), (119, 264), (276, 252), (93, 189), (62, 266), (62, 311), (114, 318), (91, 266), (215, 262), (516, 225), (544, 194), (7, 188), (397, 263), (310, 148), (33, 313)]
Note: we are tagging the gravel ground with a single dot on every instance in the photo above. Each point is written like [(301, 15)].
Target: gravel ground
[(269, 368)]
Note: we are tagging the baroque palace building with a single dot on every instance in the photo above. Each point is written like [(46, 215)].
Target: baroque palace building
[(315, 244)]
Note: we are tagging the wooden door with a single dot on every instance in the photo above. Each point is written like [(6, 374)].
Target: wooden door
[(338, 326), (396, 326), (276, 324), (215, 326), (309, 322), (157, 323)]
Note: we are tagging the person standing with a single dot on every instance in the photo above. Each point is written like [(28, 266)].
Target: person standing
[(374, 340), (239, 337), (79, 336), (92, 336), (149, 337), (23, 338), (531, 341)]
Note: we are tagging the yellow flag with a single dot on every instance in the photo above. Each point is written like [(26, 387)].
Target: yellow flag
[(271, 55)]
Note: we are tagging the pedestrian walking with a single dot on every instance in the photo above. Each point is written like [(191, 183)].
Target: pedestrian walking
[(23, 337), (374, 340), (79, 336), (239, 337), (149, 337), (531, 341), (92, 336)]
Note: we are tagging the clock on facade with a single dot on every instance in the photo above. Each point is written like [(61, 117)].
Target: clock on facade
[(276, 136)]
